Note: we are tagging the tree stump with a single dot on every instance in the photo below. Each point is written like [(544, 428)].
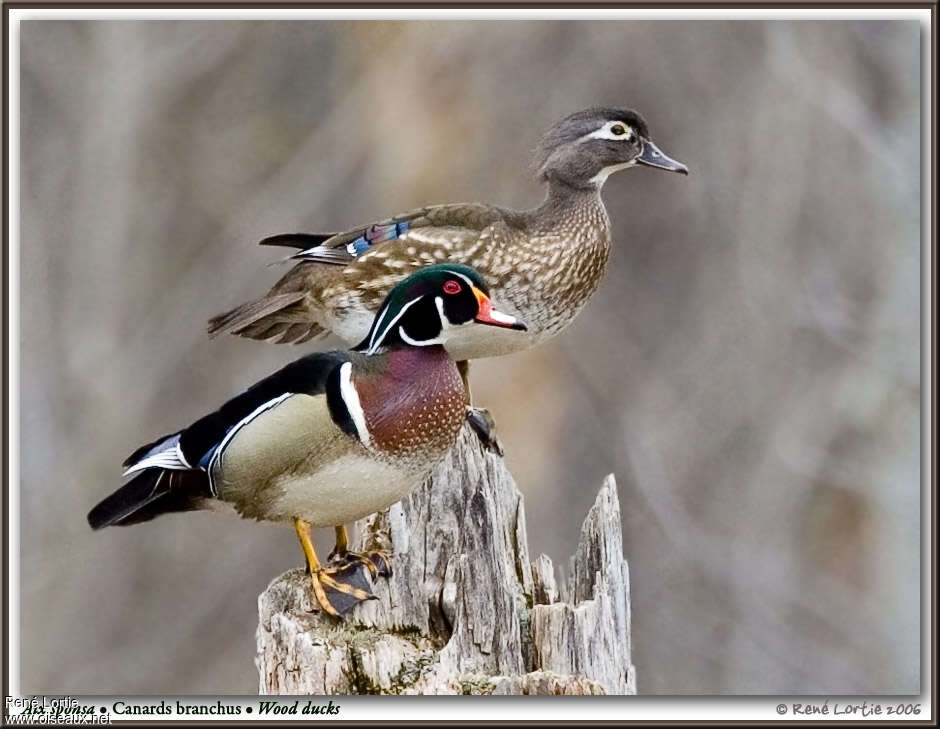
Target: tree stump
[(465, 611)]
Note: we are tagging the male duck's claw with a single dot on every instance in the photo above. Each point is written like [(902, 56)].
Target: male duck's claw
[(339, 589), (485, 427), (382, 561), (377, 561)]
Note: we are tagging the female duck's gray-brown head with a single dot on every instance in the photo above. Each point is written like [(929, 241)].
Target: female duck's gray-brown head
[(583, 149), (431, 305)]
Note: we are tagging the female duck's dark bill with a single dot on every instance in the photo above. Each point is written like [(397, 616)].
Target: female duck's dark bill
[(652, 156), (488, 315)]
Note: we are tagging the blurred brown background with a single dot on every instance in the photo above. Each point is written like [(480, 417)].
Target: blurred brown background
[(749, 368)]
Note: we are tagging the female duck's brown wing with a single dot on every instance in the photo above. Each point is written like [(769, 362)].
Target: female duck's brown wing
[(279, 316), (287, 314)]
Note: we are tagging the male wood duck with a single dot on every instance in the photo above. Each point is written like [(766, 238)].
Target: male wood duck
[(331, 437), (542, 264)]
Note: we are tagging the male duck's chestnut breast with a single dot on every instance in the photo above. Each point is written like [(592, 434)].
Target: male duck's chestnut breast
[(421, 419)]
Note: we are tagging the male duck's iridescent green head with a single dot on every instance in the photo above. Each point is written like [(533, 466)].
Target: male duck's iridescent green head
[(583, 149), (432, 304)]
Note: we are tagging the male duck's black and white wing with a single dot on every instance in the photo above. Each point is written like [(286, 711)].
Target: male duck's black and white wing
[(173, 473)]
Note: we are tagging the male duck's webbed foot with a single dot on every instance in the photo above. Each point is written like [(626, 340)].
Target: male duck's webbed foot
[(338, 589), (480, 420), (377, 561), (343, 587)]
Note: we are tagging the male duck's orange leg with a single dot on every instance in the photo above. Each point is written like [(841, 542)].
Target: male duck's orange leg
[(323, 577)]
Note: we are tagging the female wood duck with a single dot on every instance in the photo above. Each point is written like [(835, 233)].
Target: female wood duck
[(542, 264), (331, 437)]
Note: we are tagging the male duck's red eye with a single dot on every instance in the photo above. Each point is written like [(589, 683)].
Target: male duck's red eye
[(451, 287)]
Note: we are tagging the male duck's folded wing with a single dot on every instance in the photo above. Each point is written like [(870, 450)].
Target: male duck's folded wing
[(190, 447), (307, 376), (171, 473)]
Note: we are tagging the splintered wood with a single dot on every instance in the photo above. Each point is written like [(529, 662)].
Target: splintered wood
[(465, 612)]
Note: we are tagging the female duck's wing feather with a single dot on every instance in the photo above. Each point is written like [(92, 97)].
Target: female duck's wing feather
[(288, 312), (277, 317), (341, 248), (297, 240)]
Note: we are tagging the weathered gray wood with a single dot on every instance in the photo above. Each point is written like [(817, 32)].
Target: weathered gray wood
[(465, 611)]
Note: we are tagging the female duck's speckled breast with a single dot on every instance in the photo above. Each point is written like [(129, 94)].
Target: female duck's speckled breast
[(555, 269)]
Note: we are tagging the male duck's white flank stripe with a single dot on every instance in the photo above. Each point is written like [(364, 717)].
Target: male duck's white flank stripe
[(213, 462)]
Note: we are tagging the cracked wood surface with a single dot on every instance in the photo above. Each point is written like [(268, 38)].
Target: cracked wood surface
[(466, 611)]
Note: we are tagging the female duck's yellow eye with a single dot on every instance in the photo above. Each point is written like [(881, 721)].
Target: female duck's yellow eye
[(618, 130)]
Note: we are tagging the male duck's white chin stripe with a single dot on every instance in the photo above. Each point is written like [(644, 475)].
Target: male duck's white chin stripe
[(350, 395), (601, 177), (418, 342)]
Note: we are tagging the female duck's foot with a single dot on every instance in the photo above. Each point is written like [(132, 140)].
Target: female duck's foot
[(485, 427)]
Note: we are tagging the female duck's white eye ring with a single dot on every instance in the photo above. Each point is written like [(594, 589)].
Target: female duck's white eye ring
[(620, 131)]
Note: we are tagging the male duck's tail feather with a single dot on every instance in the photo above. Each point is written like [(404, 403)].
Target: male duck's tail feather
[(151, 493)]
